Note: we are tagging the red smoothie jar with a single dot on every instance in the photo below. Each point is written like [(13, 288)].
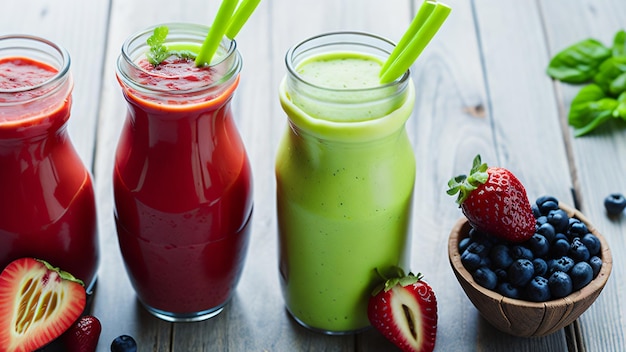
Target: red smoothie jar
[(182, 179), (47, 204)]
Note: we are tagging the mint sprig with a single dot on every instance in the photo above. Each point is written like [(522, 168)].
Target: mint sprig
[(159, 52)]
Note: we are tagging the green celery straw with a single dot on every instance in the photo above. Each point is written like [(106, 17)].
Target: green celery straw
[(416, 45), (422, 15), (216, 32), (240, 17)]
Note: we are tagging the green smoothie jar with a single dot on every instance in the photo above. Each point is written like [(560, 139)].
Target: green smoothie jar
[(345, 173)]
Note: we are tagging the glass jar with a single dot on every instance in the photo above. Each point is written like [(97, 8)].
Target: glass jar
[(345, 173), (182, 179), (47, 202)]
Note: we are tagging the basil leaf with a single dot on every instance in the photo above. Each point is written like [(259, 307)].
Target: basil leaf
[(579, 62), (590, 108), (618, 85), (610, 70), (619, 44), (620, 110)]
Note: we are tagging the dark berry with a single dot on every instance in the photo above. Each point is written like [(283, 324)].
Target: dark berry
[(508, 290), (578, 251), (596, 265), (547, 231), (538, 290), (563, 264), (124, 343), (485, 277), (541, 267), (615, 203), (559, 219), (536, 211), (581, 275), (471, 261), (478, 248), (560, 284), (592, 242), (542, 199), (500, 256), (521, 272), (577, 228), (464, 243), (546, 207), (521, 252), (560, 247), (501, 274), (542, 220), (538, 245)]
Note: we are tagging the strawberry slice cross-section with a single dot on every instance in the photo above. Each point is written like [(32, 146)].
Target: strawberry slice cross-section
[(38, 302)]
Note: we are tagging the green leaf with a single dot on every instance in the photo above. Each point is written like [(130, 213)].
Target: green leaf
[(618, 85), (464, 185), (619, 44), (578, 63), (158, 52), (620, 110), (608, 71), (590, 108)]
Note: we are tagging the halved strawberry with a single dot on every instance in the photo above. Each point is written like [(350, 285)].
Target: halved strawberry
[(404, 310), (494, 202), (37, 304), (83, 335)]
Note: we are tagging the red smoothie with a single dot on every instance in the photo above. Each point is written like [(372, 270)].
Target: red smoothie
[(47, 206), (183, 190)]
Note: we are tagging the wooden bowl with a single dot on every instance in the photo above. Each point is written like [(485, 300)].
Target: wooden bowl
[(526, 318)]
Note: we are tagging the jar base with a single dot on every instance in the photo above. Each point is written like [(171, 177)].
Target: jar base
[(325, 331), (184, 317)]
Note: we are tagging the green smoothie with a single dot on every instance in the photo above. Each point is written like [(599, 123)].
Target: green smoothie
[(345, 181)]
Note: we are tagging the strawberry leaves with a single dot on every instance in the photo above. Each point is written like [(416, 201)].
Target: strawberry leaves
[(464, 185)]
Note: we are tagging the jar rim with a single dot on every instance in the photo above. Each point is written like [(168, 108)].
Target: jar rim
[(125, 58), (63, 66), (293, 52)]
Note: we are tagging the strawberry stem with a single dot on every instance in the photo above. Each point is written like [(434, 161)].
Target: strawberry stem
[(464, 185), (397, 277)]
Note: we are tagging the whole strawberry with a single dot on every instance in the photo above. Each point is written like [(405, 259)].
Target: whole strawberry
[(83, 335), (404, 310), (494, 202)]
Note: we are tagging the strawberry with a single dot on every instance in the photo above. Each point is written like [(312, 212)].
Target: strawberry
[(83, 335), (494, 202), (37, 304), (404, 310)]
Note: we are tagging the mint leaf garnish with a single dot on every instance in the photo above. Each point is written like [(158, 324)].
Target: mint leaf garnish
[(158, 52)]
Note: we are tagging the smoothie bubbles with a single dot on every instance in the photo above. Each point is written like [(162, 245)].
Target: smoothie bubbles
[(182, 180), (47, 205)]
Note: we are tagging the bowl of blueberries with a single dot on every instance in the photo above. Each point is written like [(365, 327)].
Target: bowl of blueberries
[(539, 286)]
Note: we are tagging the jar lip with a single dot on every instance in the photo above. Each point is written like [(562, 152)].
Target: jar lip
[(291, 53), (189, 28), (62, 70)]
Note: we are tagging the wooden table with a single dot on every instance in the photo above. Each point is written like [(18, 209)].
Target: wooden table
[(481, 88)]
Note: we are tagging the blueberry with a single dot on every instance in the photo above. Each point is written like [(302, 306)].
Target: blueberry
[(471, 261), (501, 274), (560, 284), (485, 277), (479, 248), (464, 243), (581, 275), (547, 231), (596, 265), (124, 343), (563, 264), (521, 252), (542, 220), (539, 245), (592, 243), (547, 203), (520, 272), (541, 266), (500, 256), (508, 290), (578, 251), (536, 211), (538, 290), (577, 228), (560, 247), (559, 219), (614, 203)]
